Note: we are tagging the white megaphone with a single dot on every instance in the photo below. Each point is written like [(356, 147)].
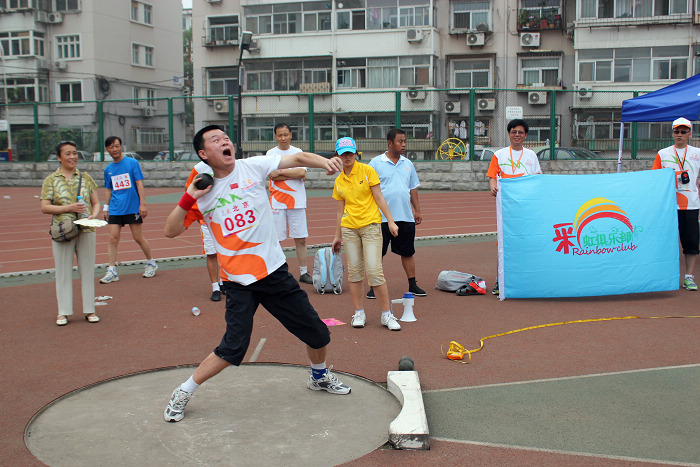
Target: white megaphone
[(407, 302)]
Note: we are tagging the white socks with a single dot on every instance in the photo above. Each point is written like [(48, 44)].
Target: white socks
[(303, 270), (189, 385)]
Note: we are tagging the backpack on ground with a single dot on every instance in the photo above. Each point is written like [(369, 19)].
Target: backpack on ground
[(328, 272), (452, 281)]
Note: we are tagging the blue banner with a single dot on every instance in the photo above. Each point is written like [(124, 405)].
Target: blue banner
[(585, 235)]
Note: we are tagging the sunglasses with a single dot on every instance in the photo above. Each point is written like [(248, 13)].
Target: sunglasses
[(680, 132)]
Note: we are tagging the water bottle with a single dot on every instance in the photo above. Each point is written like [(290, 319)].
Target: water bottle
[(83, 214), (195, 311)]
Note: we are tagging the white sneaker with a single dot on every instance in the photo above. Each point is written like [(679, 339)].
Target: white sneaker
[(390, 322), (150, 270), (358, 319), (109, 277), (175, 411)]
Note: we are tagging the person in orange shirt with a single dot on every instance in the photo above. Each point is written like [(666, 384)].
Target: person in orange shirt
[(253, 266), (288, 200), (512, 161), (684, 159)]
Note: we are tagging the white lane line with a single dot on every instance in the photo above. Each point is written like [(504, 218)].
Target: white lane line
[(258, 349), (570, 453), (565, 378)]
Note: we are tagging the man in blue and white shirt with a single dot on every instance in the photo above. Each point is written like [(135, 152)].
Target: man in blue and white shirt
[(399, 184)]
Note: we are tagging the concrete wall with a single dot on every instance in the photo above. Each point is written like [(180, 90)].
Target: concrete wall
[(443, 175)]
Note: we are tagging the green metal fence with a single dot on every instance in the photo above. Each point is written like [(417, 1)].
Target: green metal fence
[(441, 124)]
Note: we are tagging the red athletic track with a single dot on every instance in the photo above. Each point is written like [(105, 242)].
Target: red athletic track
[(148, 325)]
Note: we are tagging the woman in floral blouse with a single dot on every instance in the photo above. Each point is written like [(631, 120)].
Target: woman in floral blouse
[(59, 198)]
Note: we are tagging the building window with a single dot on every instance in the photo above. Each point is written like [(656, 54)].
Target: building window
[(382, 72), (16, 44), (382, 18), (351, 19), (414, 16), (414, 71), (317, 16), (149, 139), (352, 73), (142, 55), (222, 28), (70, 92), (539, 70), (67, 47), (470, 73), (148, 14), (546, 9), (468, 14), (67, 5), (222, 82), (539, 130), (633, 64), (142, 12), (603, 9), (24, 90), (258, 76), (285, 75), (143, 97), (14, 4)]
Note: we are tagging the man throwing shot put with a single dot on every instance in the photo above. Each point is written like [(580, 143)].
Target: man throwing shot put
[(237, 211)]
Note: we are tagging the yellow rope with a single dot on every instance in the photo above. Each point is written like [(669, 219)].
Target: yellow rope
[(456, 351)]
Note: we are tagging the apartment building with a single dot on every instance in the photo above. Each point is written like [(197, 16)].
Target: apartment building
[(66, 55), (434, 52)]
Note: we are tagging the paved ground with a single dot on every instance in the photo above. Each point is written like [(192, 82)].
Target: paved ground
[(602, 393)]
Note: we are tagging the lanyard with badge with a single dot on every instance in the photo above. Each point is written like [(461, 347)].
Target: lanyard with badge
[(512, 164), (684, 177)]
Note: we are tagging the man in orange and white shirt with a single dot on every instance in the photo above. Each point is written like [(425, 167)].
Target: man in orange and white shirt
[(253, 266), (207, 241), (288, 199), (684, 159), (512, 162)]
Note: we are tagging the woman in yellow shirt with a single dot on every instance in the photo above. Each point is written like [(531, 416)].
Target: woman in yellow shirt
[(360, 227)]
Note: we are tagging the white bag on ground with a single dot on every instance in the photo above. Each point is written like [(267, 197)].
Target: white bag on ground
[(328, 272)]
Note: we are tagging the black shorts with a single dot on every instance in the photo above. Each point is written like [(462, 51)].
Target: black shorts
[(125, 219), (689, 231), (402, 244), (281, 295)]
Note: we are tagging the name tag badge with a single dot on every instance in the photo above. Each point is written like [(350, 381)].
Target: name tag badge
[(121, 182)]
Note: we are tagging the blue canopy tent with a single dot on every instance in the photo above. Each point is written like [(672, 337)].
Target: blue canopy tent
[(680, 99)]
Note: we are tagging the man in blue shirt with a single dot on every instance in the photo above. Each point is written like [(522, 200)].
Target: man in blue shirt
[(125, 204), (399, 184)]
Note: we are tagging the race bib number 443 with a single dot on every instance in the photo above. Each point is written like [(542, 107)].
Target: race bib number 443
[(121, 182)]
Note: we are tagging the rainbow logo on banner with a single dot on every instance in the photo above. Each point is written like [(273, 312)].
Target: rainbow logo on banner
[(583, 235)]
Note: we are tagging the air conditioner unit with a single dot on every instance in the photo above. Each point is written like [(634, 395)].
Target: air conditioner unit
[(54, 18), (414, 35), (148, 111), (221, 106), (416, 95), (529, 39), (486, 104), (453, 107), (475, 39), (60, 64), (213, 1), (41, 16), (584, 93), (537, 97), (412, 155)]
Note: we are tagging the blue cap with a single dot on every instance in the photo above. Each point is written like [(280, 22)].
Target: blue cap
[(344, 145)]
